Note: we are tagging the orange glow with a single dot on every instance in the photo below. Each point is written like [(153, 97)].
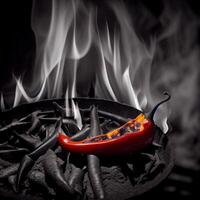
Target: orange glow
[(140, 119)]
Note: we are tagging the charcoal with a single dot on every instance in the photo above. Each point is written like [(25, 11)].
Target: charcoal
[(28, 141), (33, 162), (6, 172), (11, 180), (13, 154), (38, 179)]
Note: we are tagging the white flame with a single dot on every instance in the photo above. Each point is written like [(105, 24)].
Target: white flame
[(164, 125), (20, 91), (129, 89), (69, 40), (108, 88), (2, 102), (125, 66), (67, 104), (77, 38), (77, 115)]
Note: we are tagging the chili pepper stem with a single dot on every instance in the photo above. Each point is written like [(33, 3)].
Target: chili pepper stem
[(151, 115)]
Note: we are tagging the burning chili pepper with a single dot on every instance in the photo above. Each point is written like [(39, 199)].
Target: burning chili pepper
[(133, 136)]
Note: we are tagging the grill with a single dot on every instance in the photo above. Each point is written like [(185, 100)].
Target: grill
[(34, 165)]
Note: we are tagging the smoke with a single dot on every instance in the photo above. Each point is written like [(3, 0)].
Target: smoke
[(176, 68)]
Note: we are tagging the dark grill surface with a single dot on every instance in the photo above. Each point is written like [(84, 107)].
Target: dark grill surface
[(34, 166)]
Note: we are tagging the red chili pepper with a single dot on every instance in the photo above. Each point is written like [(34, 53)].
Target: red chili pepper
[(133, 136)]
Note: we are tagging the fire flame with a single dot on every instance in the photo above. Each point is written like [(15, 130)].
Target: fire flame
[(76, 45)]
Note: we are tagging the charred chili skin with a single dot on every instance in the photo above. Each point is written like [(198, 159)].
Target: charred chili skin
[(127, 143)]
